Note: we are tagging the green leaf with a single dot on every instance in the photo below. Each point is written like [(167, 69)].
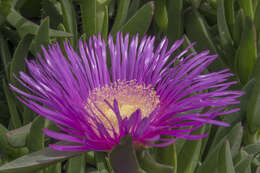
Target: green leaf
[(5, 7), (239, 27), (140, 22), (104, 30), (189, 156), (89, 16), (235, 117), (236, 141), (49, 8), (15, 119), (257, 170), (28, 115), (160, 15), (196, 3), (42, 36), (90, 158), (121, 15), (175, 24), (246, 52), (252, 149), (91, 170), (17, 137), (248, 7), (196, 30), (30, 163), (102, 18), (25, 26), (6, 148), (35, 139), (230, 14), (257, 18), (253, 109), (224, 34), (100, 158), (244, 99), (167, 156), (134, 6), (225, 159), (4, 53), (76, 164), (69, 20), (21, 52), (123, 157), (244, 166), (211, 160), (56, 168), (148, 164)]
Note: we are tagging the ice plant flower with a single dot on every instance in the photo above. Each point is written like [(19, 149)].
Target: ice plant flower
[(97, 96)]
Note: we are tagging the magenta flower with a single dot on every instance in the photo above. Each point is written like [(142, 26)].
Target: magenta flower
[(144, 92)]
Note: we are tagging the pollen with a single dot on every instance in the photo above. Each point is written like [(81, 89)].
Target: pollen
[(130, 96)]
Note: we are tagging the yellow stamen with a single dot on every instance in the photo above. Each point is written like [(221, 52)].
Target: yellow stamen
[(130, 96)]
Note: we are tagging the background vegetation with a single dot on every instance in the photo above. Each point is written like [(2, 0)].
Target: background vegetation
[(229, 28)]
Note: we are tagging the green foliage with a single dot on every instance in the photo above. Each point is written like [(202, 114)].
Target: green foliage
[(229, 28)]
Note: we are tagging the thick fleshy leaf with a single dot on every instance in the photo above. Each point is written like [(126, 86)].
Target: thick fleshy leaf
[(252, 148), (160, 15), (140, 22), (244, 100), (88, 13), (257, 18), (17, 137), (32, 162), (244, 166), (76, 164), (211, 160), (15, 119), (189, 156), (100, 158), (225, 159), (134, 6), (223, 29), (167, 156), (28, 115), (253, 108), (247, 5), (239, 27), (8, 149), (35, 139), (224, 34), (50, 8), (246, 52), (104, 30), (90, 158), (175, 24), (5, 53), (69, 20), (257, 170), (25, 26), (230, 15), (121, 15), (55, 168), (196, 30), (148, 164), (21, 52), (42, 36), (123, 157)]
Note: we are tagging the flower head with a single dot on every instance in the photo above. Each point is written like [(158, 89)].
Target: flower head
[(144, 91)]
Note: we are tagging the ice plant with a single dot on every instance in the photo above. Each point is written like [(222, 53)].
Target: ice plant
[(96, 97)]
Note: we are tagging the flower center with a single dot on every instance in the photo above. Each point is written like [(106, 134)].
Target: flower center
[(130, 96)]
